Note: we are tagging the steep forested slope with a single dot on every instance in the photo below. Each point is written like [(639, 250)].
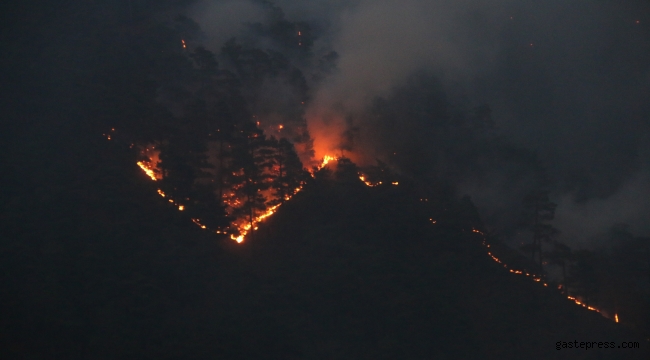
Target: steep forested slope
[(99, 266)]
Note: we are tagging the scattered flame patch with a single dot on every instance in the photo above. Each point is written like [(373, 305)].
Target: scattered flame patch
[(368, 183)]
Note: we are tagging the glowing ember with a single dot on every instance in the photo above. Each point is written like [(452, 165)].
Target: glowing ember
[(184, 45), (616, 317), (368, 183), (198, 222), (147, 170)]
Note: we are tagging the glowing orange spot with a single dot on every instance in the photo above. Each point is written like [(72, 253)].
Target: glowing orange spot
[(147, 170)]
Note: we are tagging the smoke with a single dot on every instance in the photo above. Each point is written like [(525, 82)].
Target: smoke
[(222, 20), (567, 79), (588, 223), (383, 42)]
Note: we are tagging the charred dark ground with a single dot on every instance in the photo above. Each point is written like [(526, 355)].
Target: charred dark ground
[(94, 264)]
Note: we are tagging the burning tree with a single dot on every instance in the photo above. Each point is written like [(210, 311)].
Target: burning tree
[(250, 176)]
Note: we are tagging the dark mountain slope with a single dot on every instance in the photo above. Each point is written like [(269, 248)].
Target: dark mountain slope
[(360, 273), (96, 265)]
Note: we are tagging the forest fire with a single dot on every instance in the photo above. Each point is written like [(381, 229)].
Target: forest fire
[(241, 226), (536, 278), (246, 226)]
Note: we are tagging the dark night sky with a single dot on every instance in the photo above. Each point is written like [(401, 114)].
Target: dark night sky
[(568, 79)]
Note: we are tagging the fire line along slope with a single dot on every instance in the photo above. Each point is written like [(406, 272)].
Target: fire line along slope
[(351, 271)]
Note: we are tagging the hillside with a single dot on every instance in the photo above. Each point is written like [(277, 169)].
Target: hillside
[(363, 275), (98, 266)]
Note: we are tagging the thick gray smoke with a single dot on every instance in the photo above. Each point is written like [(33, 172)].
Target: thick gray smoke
[(568, 79)]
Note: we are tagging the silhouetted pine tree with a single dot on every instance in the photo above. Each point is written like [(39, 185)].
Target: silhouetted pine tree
[(289, 173), (538, 211), (251, 159)]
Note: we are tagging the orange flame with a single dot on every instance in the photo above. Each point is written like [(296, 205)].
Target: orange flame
[(147, 170), (535, 278), (244, 229)]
